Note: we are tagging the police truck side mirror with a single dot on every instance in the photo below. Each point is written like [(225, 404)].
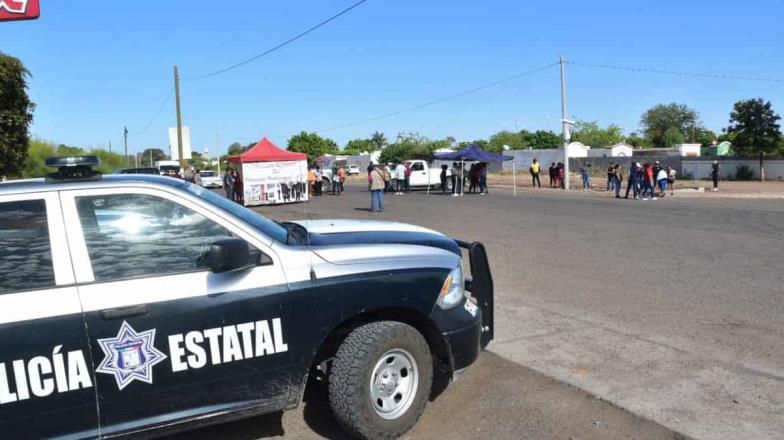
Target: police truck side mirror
[(231, 254)]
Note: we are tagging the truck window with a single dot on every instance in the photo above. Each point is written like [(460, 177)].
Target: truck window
[(417, 166), (25, 251), (134, 235)]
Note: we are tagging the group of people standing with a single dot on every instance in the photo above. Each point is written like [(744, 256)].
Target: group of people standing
[(316, 179), (646, 181), (475, 177), (232, 184), (556, 173)]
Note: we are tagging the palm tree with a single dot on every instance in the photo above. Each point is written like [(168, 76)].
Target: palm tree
[(378, 139)]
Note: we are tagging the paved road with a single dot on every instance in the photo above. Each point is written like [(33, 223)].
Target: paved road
[(671, 309), (495, 399)]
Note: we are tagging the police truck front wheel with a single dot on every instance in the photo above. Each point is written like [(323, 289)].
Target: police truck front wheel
[(380, 380)]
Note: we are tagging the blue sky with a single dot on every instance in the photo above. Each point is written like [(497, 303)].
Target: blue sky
[(99, 65)]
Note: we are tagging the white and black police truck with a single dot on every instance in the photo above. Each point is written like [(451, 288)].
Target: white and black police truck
[(135, 306)]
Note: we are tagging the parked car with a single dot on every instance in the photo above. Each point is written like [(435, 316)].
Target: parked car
[(352, 170), (137, 171), (136, 305), (208, 179)]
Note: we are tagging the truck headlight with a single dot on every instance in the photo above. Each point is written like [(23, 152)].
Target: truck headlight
[(453, 290)]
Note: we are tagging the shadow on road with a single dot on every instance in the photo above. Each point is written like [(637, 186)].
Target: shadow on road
[(316, 414)]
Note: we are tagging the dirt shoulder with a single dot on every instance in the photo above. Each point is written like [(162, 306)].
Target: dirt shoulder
[(690, 188)]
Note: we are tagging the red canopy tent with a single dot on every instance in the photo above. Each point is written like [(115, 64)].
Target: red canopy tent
[(266, 151), (270, 175)]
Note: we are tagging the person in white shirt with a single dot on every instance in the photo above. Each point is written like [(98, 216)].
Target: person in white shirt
[(388, 172), (400, 178)]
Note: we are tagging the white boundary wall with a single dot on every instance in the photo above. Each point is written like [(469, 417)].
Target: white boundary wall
[(700, 169)]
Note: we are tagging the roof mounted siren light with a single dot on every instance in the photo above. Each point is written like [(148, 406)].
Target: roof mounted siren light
[(74, 167)]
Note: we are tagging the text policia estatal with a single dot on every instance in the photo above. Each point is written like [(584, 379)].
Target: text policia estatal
[(62, 372), (70, 374), (227, 344)]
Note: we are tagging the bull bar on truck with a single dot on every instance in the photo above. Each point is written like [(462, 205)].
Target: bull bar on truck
[(480, 284)]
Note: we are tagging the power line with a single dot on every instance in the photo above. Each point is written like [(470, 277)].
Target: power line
[(670, 72), (274, 48), (440, 100), (155, 116)]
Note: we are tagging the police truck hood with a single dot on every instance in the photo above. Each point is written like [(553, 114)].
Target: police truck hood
[(327, 235)]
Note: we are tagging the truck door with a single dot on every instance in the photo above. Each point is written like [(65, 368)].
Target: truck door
[(419, 176), (46, 377), (171, 340)]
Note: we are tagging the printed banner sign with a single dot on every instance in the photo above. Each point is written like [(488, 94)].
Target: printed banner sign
[(19, 10), (268, 183)]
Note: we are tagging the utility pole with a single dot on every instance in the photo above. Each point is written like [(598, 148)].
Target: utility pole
[(217, 150), (565, 127), (183, 164), (110, 146), (150, 150), (125, 142)]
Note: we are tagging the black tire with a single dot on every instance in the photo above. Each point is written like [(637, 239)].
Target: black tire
[(351, 374)]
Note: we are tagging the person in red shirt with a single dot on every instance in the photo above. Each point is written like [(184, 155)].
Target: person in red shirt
[(647, 182)]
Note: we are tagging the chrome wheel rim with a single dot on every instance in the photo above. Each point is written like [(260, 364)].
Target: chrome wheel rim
[(394, 383)]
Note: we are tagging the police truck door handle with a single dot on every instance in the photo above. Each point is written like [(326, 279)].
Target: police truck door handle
[(125, 312)]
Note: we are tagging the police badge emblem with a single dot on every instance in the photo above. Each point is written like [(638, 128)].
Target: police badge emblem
[(130, 356)]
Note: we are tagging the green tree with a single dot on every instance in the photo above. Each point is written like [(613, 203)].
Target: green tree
[(704, 137), (234, 149), (481, 143), (395, 153), (16, 114), (544, 140), (358, 146), (110, 162), (656, 121), (637, 141), (313, 145), (756, 129), (672, 137), (378, 139), (149, 156), (515, 140), (589, 133), (37, 152)]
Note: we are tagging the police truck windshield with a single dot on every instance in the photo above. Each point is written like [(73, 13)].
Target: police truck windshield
[(264, 225)]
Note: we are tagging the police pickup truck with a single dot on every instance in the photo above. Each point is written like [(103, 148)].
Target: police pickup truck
[(136, 306)]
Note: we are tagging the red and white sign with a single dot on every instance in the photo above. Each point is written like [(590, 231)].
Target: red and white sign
[(19, 10)]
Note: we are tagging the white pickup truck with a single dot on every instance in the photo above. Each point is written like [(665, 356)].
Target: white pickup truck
[(423, 176)]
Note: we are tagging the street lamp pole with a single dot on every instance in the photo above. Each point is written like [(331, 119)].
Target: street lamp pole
[(565, 126)]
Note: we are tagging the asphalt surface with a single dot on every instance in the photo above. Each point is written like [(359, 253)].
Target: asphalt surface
[(670, 309), (495, 399)]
